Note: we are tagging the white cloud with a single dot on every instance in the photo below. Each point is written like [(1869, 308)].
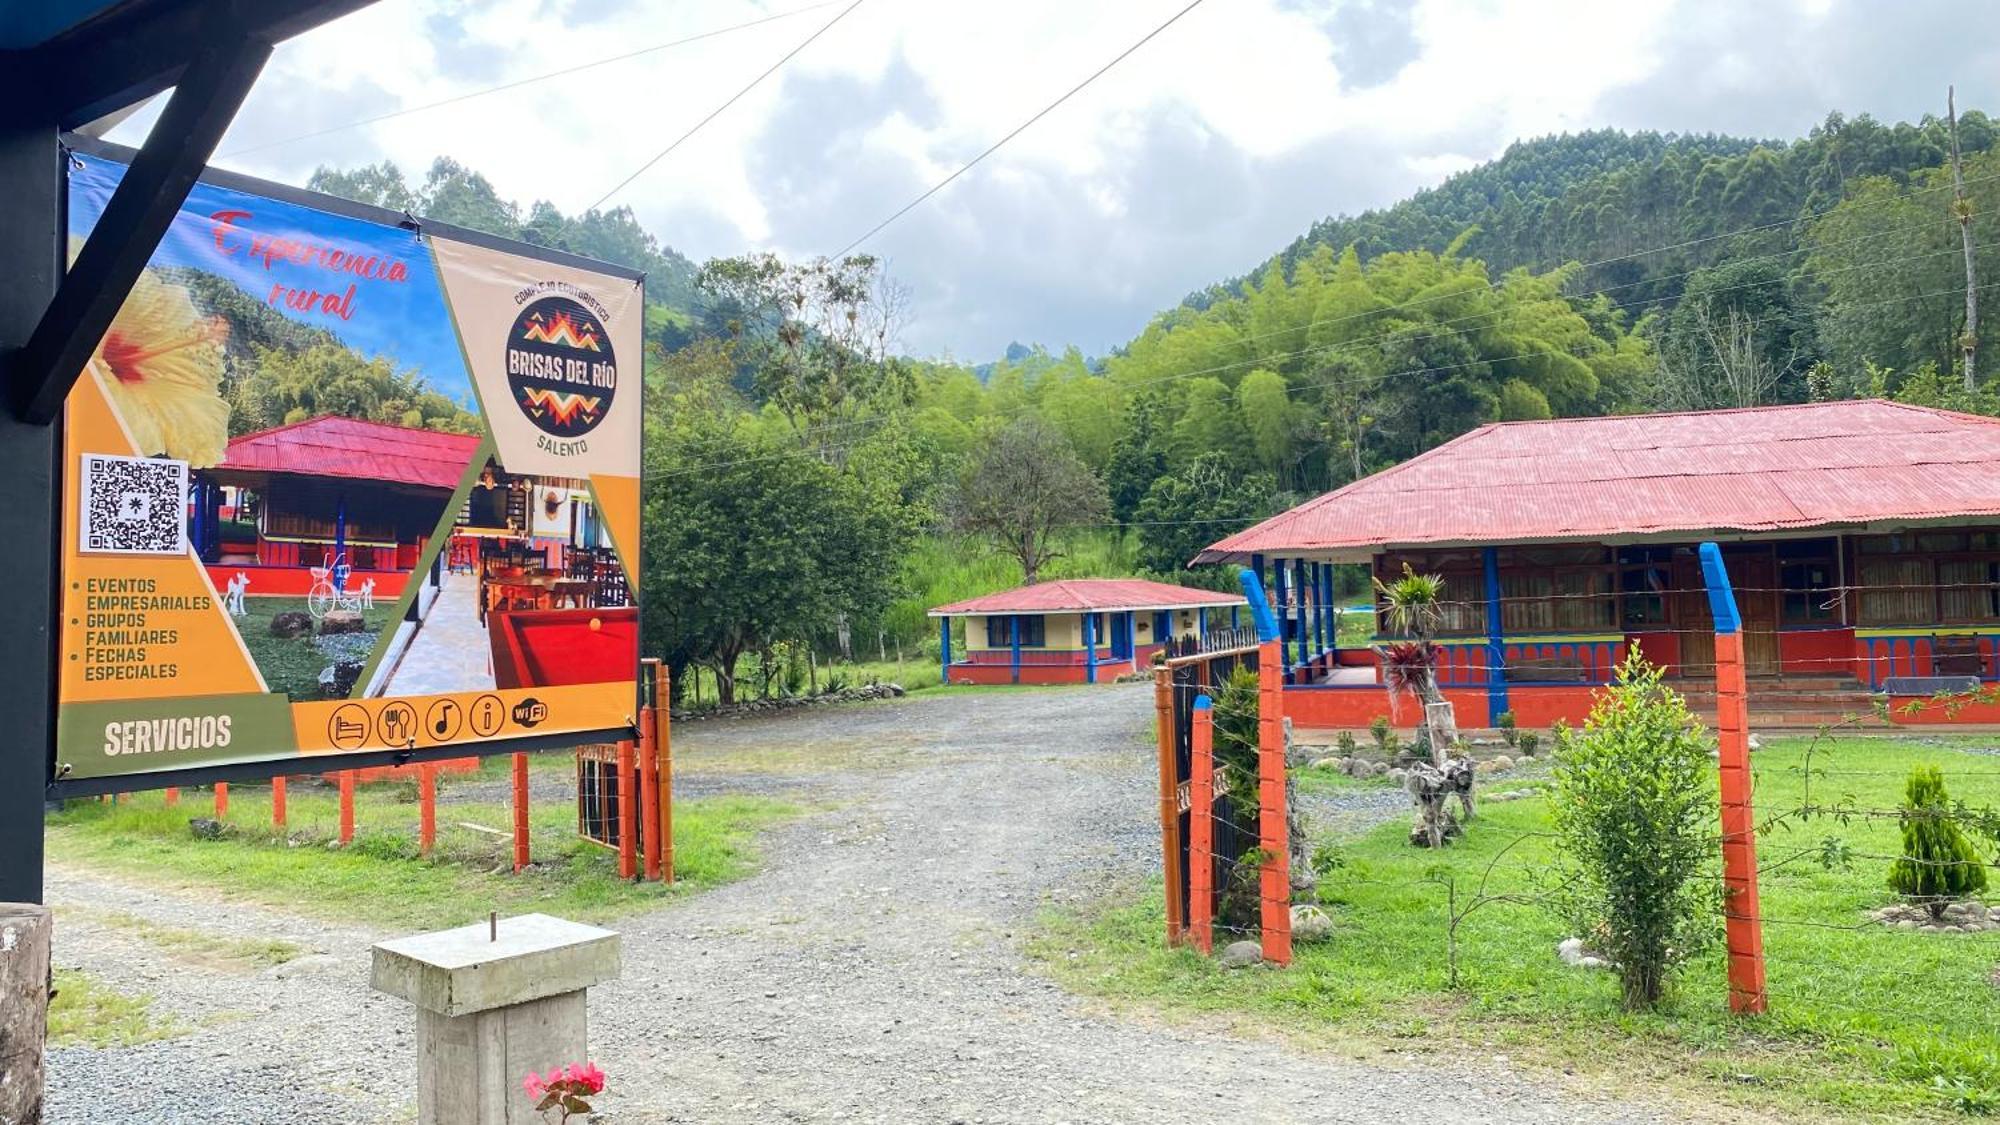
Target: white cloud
[(1205, 151)]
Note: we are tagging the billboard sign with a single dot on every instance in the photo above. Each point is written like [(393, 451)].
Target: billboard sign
[(341, 482)]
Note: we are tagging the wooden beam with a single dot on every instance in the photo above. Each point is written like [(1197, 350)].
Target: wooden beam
[(41, 373), (135, 51)]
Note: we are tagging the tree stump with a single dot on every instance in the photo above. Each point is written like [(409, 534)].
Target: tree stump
[(24, 1009)]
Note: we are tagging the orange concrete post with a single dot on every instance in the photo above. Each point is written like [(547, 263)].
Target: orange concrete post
[(649, 774), (628, 836), (346, 807), (1276, 883), (1170, 801), (1743, 919), (173, 796), (426, 808), (663, 741), (1201, 827), (520, 812), (278, 801), (221, 799)]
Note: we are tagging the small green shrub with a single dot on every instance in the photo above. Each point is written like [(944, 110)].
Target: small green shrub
[(1347, 743), (1528, 743), (1634, 807), (1381, 732), (1505, 721), (1939, 865)]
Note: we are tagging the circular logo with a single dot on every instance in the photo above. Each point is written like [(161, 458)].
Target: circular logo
[(488, 716), (444, 720), (560, 367), (396, 724), (347, 729)]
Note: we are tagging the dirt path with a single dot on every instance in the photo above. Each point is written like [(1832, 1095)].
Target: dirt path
[(871, 972)]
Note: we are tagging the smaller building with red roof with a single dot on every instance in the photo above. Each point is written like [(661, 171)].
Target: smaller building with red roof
[(290, 498), (1077, 630)]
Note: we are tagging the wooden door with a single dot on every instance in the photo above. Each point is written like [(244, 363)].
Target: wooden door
[(1692, 618), (1754, 574)]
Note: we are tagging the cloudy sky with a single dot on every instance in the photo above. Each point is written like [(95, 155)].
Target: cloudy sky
[(1211, 147)]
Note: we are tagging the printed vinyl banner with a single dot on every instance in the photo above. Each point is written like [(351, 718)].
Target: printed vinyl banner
[(335, 485)]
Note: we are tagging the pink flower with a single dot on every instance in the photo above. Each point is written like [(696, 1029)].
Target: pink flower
[(534, 1085), (589, 1076)]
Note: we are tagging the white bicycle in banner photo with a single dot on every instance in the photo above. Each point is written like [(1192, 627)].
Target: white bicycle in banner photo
[(329, 590)]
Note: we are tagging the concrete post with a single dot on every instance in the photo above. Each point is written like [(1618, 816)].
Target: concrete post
[(24, 1008), (494, 1001)]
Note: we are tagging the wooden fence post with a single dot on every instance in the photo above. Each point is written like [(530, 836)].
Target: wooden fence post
[(278, 809), (346, 807), (1201, 827), (24, 1008), (520, 812), (426, 808), (1743, 919), (221, 800), (1170, 801), (628, 860)]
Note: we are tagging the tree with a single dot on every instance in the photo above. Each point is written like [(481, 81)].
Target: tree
[(1184, 512), (1023, 489), (1635, 810), (1939, 865), (1414, 606), (1961, 209), (817, 339)]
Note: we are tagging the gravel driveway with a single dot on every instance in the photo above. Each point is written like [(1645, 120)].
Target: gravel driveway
[(870, 973)]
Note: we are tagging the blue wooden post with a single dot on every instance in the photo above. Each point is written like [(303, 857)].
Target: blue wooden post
[(944, 651), (1089, 648), (1332, 614), (1299, 592), (1283, 618), (1014, 634), (1201, 624), (1496, 641), (1235, 617)]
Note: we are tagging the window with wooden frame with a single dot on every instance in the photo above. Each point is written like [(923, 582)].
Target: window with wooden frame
[(1462, 609), (1808, 581), (999, 633), (1929, 578), (1557, 589), (1645, 577)]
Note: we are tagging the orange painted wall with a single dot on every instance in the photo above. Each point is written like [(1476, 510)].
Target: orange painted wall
[(1932, 713), (1817, 652)]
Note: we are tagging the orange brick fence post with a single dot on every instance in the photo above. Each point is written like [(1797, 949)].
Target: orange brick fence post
[(346, 807), (427, 792), (649, 771), (1201, 827), (520, 812), (663, 745), (221, 800), (1743, 919), (628, 835), (278, 801), (1272, 830)]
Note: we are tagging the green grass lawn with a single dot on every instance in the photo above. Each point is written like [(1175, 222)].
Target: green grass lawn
[(381, 879), (291, 665), (1865, 1021), (85, 1012)]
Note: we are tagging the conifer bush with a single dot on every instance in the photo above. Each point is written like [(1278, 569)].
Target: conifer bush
[(1939, 865)]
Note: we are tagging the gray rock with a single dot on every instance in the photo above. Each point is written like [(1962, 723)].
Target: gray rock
[(1310, 923), (1397, 775), (306, 965), (1240, 955), (207, 828), (292, 623)]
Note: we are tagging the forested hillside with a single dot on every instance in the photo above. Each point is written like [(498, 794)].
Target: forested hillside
[(808, 487)]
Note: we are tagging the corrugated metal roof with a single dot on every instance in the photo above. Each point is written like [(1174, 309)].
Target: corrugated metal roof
[(331, 446), (1075, 595), (1763, 469)]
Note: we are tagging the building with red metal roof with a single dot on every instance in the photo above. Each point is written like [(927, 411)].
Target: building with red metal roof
[(309, 493), (1076, 630), (1863, 538)]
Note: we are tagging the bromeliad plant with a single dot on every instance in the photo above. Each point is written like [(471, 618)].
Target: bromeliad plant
[(1414, 606), (563, 1089)]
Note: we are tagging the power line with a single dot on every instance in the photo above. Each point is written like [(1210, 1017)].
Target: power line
[(469, 95), (733, 99), (1017, 131)]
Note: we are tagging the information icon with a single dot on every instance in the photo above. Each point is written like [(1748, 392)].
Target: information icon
[(347, 729), (444, 720), (488, 715), (397, 724)]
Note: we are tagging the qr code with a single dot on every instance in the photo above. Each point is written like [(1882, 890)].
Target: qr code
[(134, 505)]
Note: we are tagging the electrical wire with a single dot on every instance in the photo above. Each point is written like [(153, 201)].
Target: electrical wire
[(1015, 132)]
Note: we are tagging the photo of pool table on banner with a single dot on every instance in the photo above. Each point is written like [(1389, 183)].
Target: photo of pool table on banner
[(338, 482)]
